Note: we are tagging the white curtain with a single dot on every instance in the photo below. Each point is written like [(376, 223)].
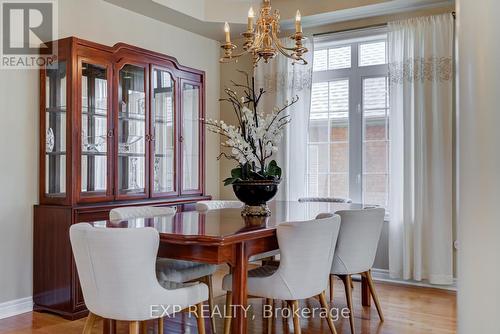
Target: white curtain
[(282, 80), (421, 157)]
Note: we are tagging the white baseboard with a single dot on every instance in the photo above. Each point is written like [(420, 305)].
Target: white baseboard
[(382, 275), (15, 307)]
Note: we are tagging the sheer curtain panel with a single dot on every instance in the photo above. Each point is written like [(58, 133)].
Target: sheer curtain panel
[(421, 153)]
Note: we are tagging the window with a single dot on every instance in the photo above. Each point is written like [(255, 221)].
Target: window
[(348, 146)]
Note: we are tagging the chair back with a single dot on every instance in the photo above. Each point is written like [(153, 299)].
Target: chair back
[(116, 267), (131, 212), (358, 240), (202, 206), (325, 199), (307, 250)]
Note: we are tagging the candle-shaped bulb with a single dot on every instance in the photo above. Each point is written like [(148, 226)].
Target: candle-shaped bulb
[(250, 19), (298, 23), (227, 31)]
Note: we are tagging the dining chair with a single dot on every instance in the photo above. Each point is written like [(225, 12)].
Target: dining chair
[(325, 199), (131, 212), (217, 204), (307, 249), (116, 267), (355, 252), (171, 271)]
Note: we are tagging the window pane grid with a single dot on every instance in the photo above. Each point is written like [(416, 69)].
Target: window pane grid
[(333, 104)]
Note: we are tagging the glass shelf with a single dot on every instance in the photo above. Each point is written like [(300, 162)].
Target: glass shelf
[(56, 110), (139, 118), (55, 153)]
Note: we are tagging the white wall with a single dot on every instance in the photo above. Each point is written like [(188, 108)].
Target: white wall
[(104, 23), (478, 166)]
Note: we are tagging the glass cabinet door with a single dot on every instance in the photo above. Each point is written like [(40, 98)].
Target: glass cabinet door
[(94, 130), (55, 129), (163, 120), (132, 131), (190, 137)]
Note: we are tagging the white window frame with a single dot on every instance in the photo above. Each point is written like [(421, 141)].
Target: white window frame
[(355, 74)]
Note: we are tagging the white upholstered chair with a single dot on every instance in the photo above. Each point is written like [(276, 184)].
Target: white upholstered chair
[(325, 199), (355, 251), (117, 274), (171, 272), (306, 255), (131, 212), (217, 204)]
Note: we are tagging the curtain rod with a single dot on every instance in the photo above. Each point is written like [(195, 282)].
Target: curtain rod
[(355, 29), (453, 13)]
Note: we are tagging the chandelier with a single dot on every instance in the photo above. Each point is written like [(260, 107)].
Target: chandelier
[(263, 41)]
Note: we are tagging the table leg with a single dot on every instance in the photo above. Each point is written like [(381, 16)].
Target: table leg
[(239, 323), (365, 292), (109, 326)]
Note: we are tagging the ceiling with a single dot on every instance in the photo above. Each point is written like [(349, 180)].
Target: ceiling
[(207, 17)]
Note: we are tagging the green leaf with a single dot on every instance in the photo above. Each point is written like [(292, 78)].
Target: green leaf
[(230, 180), (237, 173), (274, 170)]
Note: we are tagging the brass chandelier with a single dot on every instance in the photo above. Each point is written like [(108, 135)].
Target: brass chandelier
[(263, 41)]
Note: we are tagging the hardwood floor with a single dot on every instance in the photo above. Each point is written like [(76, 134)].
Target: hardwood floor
[(407, 310)]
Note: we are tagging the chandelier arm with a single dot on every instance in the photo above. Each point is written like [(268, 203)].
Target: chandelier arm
[(229, 59), (284, 53), (278, 43), (293, 56)]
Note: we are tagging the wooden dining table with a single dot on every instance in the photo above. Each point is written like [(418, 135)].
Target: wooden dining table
[(224, 236)]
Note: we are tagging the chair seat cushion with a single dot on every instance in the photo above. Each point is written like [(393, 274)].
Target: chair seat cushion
[(169, 285), (177, 271), (263, 271), (261, 256)]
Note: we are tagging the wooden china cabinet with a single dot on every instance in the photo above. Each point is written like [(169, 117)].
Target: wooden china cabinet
[(119, 126)]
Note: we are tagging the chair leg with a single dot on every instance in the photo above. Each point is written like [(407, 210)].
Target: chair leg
[(269, 320), (89, 323), (211, 302), (160, 325), (228, 314), (368, 276), (199, 318), (144, 327), (324, 304), (296, 321), (347, 279), (133, 327), (332, 286)]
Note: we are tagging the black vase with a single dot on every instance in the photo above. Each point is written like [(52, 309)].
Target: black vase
[(255, 194)]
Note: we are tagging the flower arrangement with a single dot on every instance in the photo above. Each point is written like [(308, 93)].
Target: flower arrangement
[(252, 142)]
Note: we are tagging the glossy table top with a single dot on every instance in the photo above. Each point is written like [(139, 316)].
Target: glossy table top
[(225, 225)]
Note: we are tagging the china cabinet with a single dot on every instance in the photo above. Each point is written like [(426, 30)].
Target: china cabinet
[(118, 126)]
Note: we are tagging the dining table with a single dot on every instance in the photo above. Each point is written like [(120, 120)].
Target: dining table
[(224, 236)]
